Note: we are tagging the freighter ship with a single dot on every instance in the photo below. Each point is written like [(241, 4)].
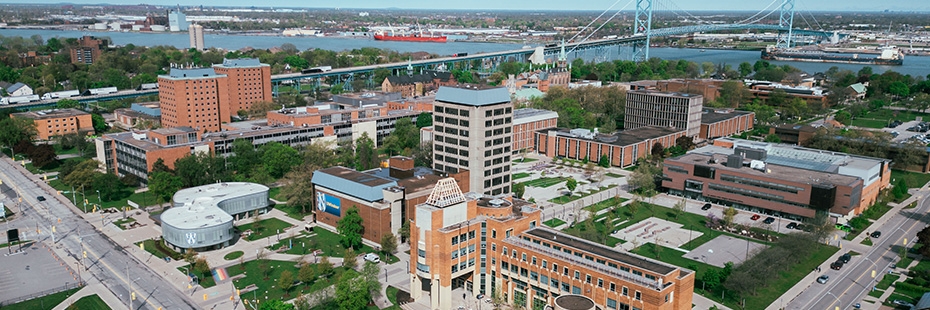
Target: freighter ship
[(890, 56), (412, 37)]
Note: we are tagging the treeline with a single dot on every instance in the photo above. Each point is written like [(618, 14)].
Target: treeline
[(586, 107)]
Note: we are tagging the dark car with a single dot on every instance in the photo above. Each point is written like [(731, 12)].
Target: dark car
[(791, 225), (800, 226), (769, 220), (836, 265), (706, 207), (876, 234), (845, 258), (40, 198)]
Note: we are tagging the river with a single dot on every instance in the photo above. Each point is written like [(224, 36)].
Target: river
[(913, 65)]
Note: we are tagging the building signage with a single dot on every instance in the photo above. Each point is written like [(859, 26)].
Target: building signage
[(191, 238), (328, 204)]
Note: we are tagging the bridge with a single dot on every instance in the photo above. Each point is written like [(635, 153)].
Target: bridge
[(640, 42)]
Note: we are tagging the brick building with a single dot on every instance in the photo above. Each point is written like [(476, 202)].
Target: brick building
[(663, 109), (52, 123), (707, 88), (88, 50), (413, 85), (716, 123), (139, 116), (622, 149), (343, 122), (135, 153), (196, 98), (793, 134), (249, 81), (526, 122), (471, 245)]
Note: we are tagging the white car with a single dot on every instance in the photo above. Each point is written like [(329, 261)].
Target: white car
[(372, 257)]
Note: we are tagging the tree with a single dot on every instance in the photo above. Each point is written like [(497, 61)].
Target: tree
[(109, 187), (424, 120), (324, 268), (679, 207), (370, 277), (571, 184), (43, 155), (349, 258), (745, 69), (773, 138), (923, 237), (643, 179), (286, 281), (279, 158), (68, 104), (163, 185), (159, 165), (202, 267), (15, 129), (275, 304), (403, 139), (404, 231), (388, 243), (899, 89), (351, 229), (604, 161), (843, 117), (351, 292), (306, 274), (519, 189), (261, 108), (74, 140), (99, 124), (365, 155), (82, 175), (728, 215), (423, 154), (658, 151)]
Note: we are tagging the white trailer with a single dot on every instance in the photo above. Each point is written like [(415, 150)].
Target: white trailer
[(61, 94), (100, 91), (20, 99)]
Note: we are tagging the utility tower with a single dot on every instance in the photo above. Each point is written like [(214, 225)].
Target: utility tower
[(643, 26), (786, 20)]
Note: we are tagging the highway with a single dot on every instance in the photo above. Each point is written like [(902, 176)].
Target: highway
[(106, 261), (849, 285)]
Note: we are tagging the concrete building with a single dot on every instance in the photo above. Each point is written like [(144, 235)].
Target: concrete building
[(663, 109), (195, 32), (383, 196), (717, 123), (249, 81), (139, 116), (474, 245), (88, 50), (341, 122), (202, 217), (52, 123), (177, 21), (473, 131), (135, 153), (622, 149), (778, 179), (196, 98), (526, 122)]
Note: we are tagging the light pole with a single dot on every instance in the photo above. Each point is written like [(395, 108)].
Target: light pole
[(98, 198)]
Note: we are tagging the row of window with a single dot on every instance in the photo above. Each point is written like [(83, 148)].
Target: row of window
[(497, 112), (553, 282), (452, 111)]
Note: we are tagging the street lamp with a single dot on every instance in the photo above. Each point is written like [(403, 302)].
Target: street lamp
[(98, 198)]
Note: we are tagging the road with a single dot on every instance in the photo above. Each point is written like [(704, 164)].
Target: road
[(106, 261), (850, 284)]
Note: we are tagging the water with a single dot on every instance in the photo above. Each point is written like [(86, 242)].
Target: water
[(913, 65)]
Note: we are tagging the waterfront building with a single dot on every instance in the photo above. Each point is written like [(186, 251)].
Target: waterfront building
[(201, 218), (52, 123), (663, 109), (622, 149), (88, 50), (177, 21), (195, 32)]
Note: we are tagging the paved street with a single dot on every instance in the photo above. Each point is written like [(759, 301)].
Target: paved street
[(107, 263)]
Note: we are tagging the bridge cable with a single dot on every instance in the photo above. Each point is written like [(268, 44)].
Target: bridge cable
[(743, 22), (601, 26), (679, 9), (594, 20)]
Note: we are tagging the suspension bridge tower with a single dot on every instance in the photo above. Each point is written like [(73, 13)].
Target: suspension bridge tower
[(785, 21), (643, 26)]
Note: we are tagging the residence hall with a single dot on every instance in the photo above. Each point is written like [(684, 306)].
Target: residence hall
[(57, 122), (466, 245), (384, 196), (778, 179), (622, 149)]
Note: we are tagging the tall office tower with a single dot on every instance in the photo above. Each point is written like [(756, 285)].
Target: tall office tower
[(663, 109), (473, 131), (196, 33), (249, 82), (196, 98)]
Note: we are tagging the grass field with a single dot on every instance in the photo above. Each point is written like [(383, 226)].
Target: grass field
[(267, 288), (520, 175), (544, 182), (150, 247), (205, 280), (326, 241), (294, 212), (887, 280), (605, 204), (119, 223), (525, 160), (913, 179), (566, 199), (554, 222), (144, 199), (233, 255), (613, 175), (264, 228), (869, 123), (45, 302), (90, 302)]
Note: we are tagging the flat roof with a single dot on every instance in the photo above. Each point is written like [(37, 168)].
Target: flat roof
[(192, 73), (240, 63), (357, 184), (473, 95), (199, 214), (664, 93), (710, 116), (46, 114), (772, 170), (600, 250), (526, 115), (217, 191), (623, 138)]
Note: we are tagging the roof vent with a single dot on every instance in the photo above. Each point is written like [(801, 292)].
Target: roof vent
[(497, 202)]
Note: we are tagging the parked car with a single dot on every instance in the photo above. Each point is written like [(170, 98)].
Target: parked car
[(40, 198), (769, 220), (837, 265), (755, 217), (372, 257), (845, 258), (875, 234), (902, 303), (823, 279), (706, 207), (800, 226), (792, 225)]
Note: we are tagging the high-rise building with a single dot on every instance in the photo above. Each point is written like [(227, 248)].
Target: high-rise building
[(249, 82), (663, 109), (88, 50), (177, 21), (197, 98), (196, 33), (473, 131)]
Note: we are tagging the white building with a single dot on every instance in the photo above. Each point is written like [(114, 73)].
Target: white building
[(177, 21)]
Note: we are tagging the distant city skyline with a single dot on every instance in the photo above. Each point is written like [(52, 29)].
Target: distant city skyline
[(689, 5)]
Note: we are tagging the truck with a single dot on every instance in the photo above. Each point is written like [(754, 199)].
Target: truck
[(19, 99), (100, 91), (317, 69), (61, 94), (147, 86)]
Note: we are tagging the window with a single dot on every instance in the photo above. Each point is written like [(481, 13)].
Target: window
[(638, 296), (455, 240), (494, 234), (523, 257), (577, 275), (544, 264), (624, 291), (493, 247), (613, 287), (587, 278), (600, 283), (612, 304)]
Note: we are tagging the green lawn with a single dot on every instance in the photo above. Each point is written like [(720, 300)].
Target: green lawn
[(913, 179), (294, 212), (264, 228), (268, 288), (144, 199), (887, 280), (544, 182), (90, 302), (869, 123), (554, 222), (613, 175), (867, 241), (206, 280), (324, 240), (275, 193), (163, 252), (605, 204), (3, 245), (520, 175), (566, 199), (45, 302), (233, 255), (119, 223)]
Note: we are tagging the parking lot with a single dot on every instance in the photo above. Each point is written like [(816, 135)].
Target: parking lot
[(35, 270), (912, 130)]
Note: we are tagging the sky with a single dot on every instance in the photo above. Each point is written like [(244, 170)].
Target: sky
[(597, 5)]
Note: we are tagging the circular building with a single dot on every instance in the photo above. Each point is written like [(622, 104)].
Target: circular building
[(574, 302), (202, 216)]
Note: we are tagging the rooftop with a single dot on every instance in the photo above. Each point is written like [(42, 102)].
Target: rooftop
[(474, 95), (46, 114), (710, 116), (798, 157), (623, 138), (191, 73), (772, 170), (200, 204), (600, 250), (664, 93), (526, 115), (241, 62), (217, 191), (357, 184)]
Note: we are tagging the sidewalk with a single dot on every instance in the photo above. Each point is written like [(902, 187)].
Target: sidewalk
[(93, 289)]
